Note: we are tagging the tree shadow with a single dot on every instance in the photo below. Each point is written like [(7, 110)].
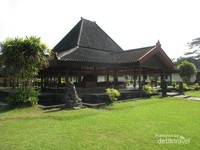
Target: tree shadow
[(5, 108)]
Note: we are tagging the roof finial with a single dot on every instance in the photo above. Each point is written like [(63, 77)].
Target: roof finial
[(158, 44)]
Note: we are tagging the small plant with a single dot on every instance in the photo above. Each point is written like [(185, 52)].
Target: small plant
[(113, 94), (148, 89)]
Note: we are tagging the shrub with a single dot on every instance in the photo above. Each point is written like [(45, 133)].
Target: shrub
[(23, 96), (148, 89), (185, 87), (113, 94), (187, 69), (174, 84), (196, 86)]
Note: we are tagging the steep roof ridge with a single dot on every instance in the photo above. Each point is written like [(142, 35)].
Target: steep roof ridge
[(147, 53), (79, 37), (108, 36), (68, 41), (63, 53)]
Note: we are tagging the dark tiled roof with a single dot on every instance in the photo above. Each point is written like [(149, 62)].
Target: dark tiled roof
[(87, 34), (81, 54), (70, 40), (92, 36), (87, 42), (130, 56)]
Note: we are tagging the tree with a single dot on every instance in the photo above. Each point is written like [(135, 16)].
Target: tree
[(22, 58), (179, 60), (187, 69), (195, 47)]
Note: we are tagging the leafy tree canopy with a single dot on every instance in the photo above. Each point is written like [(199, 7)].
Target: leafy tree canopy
[(187, 69), (23, 57), (179, 60)]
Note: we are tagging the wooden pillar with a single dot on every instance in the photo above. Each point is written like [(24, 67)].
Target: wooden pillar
[(66, 77), (134, 78), (79, 77), (181, 88), (95, 73), (42, 82), (51, 85), (164, 88), (115, 75), (45, 81), (107, 78), (144, 76), (170, 78), (161, 78), (59, 81), (140, 85)]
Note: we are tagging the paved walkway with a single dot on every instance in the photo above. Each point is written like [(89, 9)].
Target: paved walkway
[(176, 94), (3, 104), (188, 97), (194, 98)]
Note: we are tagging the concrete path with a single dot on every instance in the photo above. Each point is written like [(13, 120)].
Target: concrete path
[(3, 104), (194, 98), (188, 97)]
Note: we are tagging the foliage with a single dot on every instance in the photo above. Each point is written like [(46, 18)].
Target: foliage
[(148, 89), (185, 87), (113, 94), (187, 69), (196, 86), (193, 93), (23, 57), (179, 60), (174, 83), (195, 47), (23, 96)]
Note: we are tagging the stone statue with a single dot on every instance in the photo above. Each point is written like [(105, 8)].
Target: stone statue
[(70, 96)]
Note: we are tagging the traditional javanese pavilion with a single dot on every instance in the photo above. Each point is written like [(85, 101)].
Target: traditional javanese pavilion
[(87, 52)]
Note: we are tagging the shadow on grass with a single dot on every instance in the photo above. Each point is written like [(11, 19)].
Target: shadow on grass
[(6, 108), (60, 116)]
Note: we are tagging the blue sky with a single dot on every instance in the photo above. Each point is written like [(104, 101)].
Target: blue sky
[(131, 23)]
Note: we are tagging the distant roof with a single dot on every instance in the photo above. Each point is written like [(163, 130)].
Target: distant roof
[(87, 34), (196, 62), (133, 55)]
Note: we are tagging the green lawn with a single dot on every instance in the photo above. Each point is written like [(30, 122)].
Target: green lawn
[(130, 125), (193, 93)]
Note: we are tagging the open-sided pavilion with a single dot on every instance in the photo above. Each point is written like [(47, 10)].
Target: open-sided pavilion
[(87, 52)]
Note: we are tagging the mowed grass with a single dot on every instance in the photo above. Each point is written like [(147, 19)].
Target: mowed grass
[(129, 125), (193, 93)]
